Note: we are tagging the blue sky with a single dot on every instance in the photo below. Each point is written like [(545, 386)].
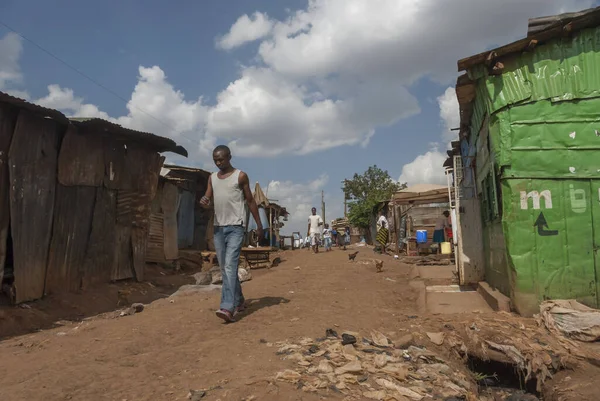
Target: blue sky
[(326, 90)]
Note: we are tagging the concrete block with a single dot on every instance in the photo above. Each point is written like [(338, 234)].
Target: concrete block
[(497, 301)]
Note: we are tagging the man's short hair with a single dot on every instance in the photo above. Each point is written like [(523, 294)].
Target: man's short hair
[(223, 148)]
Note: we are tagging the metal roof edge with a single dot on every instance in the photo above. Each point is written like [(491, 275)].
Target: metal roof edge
[(567, 24)]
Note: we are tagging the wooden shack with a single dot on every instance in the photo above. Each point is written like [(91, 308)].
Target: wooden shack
[(416, 208), (177, 222), (75, 198)]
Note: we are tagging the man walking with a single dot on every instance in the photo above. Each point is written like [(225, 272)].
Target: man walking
[(229, 188), (314, 229)]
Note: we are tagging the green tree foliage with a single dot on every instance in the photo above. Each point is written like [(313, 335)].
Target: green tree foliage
[(364, 191)]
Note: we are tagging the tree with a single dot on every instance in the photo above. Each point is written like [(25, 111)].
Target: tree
[(366, 191)]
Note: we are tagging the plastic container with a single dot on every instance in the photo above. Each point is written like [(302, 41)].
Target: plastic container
[(446, 248), (421, 236)]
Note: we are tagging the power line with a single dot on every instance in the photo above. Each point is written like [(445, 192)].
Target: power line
[(78, 71)]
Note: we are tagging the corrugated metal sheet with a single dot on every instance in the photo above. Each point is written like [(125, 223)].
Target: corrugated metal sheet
[(156, 252), (157, 143), (39, 110), (539, 24), (185, 219), (588, 19), (8, 120), (33, 161)]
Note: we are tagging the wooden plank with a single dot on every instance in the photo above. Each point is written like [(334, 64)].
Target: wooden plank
[(101, 250), (81, 159), (155, 249), (116, 174), (33, 160), (73, 212), (144, 167), (8, 121), (169, 206), (139, 242), (123, 267)]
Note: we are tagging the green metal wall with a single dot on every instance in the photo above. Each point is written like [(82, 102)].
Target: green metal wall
[(544, 138)]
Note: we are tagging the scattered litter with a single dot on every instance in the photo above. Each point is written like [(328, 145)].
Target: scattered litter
[(196, 395), (297, 268), (348, 339), (291, 292), (370, 369), (570, 319), (24, 306), (379, 339), (390, 279), (436, 338), (294, 319), (331, 333), (203, 278)]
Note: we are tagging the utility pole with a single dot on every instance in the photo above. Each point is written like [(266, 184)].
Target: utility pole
[(323, 205)]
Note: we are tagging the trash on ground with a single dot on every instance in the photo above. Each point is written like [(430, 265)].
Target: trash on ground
[(570, 319), (370, 369)]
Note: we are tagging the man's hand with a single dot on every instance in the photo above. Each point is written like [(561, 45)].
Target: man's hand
[(205, 201), (260, 233)]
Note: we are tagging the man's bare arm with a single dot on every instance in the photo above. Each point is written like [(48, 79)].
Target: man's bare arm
[(205, 201), (244, 182)]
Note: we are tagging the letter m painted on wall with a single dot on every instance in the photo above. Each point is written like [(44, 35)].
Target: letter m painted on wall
[(535, 197)]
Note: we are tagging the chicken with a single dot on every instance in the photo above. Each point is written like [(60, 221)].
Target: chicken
[(352, 256), (123, 297), (379, 265)]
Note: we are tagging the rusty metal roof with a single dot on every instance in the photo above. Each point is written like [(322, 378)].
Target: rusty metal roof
[(541, 30), (539, 24), (159, 143), (24, 104), (184, 169)]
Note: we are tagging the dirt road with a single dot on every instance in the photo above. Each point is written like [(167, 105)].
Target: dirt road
[(177, 344)]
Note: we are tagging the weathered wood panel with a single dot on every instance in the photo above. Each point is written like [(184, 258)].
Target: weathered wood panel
[(116, 175), (8, 120), (81, 159), (33, 160), (73, 211), (170, 201), (123, 268), (139, 242), (144, 168), (155, 250), (101, 252)]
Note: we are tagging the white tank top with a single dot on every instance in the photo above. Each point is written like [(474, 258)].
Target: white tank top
[(229, 202)]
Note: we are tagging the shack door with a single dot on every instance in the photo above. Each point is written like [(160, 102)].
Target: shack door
[(595, 196)]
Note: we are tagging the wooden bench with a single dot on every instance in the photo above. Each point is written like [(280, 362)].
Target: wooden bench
[(255, 257)]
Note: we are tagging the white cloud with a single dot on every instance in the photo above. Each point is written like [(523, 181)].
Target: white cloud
[(332, 73), (64, 99), (300, 198), (11, 49), (262, 113), (425, 169), (245, 29), (399, 39), (449, 113)]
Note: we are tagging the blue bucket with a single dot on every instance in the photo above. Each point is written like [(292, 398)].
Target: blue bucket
[(421, 236)]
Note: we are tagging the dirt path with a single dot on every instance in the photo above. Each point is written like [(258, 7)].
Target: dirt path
[(178, 344)]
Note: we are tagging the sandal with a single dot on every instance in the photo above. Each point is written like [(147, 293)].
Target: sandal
[(225, 315)]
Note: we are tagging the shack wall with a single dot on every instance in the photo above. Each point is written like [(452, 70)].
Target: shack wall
[(79, 204), (543, 147)]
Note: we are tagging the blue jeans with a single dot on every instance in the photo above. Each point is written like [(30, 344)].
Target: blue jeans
[(228, 246), (327, 242)]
